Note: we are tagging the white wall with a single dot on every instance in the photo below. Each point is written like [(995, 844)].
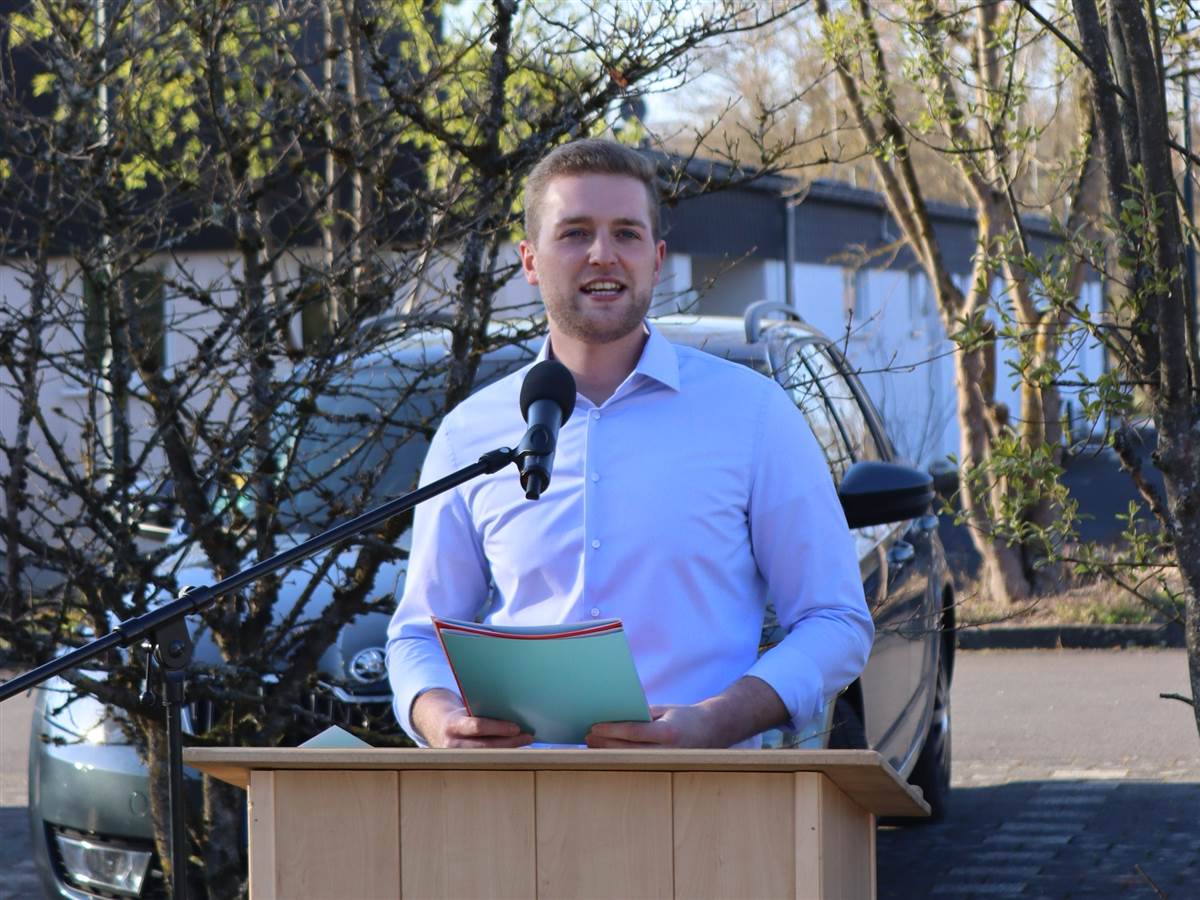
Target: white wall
[(889, 328), (896, 341), (725, 288)]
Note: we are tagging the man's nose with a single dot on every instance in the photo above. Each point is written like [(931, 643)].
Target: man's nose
[(601, 251)]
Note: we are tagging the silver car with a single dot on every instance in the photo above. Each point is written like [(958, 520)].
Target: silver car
[(88, 794)]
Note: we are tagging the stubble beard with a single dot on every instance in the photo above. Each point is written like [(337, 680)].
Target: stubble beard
[(569, 314)]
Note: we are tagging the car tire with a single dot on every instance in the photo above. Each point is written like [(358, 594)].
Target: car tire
[(932, 771)]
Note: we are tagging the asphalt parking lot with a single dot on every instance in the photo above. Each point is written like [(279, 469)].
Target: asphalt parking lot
[(1072, 780)]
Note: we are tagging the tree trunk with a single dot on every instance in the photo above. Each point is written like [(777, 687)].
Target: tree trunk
[(157, 758), (1002, 573), (1177, 458), (224, 822)]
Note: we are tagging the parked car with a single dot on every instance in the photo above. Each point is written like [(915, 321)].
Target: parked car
[(92, 833)]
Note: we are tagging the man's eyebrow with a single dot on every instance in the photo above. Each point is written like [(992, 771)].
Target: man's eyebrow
[(588, 220)]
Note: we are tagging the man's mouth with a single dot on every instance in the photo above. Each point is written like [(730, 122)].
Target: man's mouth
[(603, 287)]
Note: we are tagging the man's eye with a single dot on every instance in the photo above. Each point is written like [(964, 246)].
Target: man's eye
[(574, 233), (629, 234)]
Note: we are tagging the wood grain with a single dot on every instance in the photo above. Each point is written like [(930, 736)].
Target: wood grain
[(261, 814), (604, 835), (835, 842), (467, 834), (734, 831), (337, 835)]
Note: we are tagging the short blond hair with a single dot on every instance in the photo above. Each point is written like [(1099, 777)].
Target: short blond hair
[(589, 156)]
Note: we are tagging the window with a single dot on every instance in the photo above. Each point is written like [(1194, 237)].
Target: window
[(808, 396), (843, 401)]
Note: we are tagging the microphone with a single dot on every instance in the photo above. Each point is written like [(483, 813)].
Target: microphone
[(547, 400)]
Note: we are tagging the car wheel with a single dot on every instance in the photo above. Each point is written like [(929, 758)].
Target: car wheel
[(932, 771)]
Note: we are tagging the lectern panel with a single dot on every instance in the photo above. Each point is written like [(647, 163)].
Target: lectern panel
[(335, 835), (467, 834), (734, 830), (835, 842), (604, 835)]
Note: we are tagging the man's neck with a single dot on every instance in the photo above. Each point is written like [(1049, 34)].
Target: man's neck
[(599, 369)]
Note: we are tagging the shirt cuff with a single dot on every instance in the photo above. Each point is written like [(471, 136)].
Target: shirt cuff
[(792, 674), (412, 674)]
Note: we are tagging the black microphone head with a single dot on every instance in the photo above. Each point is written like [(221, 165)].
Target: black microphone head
[(549, 380)]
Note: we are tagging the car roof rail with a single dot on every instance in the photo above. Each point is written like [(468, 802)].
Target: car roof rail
[(759, 310)]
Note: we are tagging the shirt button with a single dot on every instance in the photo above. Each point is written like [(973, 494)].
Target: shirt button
[(595, 612), (595, 413), (595, 476), (596, 544)]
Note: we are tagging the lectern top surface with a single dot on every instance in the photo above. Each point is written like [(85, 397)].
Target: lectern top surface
[(861, 774)]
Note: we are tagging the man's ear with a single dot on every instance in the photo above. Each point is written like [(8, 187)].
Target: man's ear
[(528, 261), (660, 255)]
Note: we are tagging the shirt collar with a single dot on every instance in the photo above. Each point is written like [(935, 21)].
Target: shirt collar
[(658, 359)]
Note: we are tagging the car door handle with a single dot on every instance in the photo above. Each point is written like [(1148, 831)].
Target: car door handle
[(900, 553)]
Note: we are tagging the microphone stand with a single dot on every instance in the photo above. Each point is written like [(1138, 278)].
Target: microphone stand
[(167, 634)]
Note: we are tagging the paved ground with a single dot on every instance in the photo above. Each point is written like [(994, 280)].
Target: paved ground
[(1072, 780), (1066, 837), (16, 868)]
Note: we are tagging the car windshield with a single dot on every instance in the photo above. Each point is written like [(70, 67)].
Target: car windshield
[(357, 444), (362, 446)]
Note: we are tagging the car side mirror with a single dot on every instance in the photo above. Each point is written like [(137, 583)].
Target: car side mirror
[(877, 493)]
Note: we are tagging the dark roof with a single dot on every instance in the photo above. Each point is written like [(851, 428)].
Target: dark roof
[(835, 222)]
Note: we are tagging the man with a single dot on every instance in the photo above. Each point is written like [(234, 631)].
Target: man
[(687, 490)]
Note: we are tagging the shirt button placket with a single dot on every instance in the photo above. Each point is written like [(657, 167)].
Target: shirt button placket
[(594, 418)]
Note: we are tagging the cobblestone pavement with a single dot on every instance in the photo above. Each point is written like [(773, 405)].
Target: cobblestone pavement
[(1069, 834)]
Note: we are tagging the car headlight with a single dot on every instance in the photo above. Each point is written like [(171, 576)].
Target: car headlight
[(107, 866)]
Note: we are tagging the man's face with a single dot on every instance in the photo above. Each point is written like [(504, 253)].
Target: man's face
[(595, 260)]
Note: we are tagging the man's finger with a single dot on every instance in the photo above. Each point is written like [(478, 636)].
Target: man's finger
[(600, 742), (478, 726), (492, 743), (629, 732)]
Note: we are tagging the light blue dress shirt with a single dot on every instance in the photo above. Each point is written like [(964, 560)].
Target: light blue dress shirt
[(681, 505)]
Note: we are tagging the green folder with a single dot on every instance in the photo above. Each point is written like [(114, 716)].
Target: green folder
[(554, 681)]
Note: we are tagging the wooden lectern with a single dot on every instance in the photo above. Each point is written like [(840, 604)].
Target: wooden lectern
[(562, 823)]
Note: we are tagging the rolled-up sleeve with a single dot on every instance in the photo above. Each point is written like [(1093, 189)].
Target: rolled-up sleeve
[(447, 576), (806, 554)]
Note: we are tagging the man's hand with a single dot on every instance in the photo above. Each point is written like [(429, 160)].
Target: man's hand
[(747, 707), (672, 726), (442, 720)]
